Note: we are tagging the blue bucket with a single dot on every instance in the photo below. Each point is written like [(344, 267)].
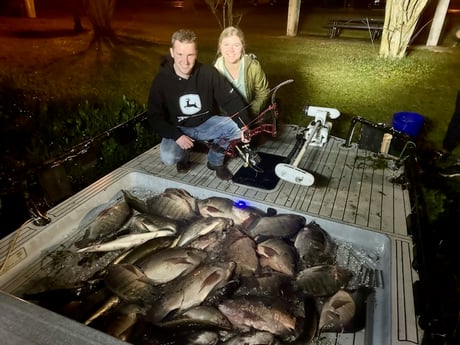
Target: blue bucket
[(408, 122)]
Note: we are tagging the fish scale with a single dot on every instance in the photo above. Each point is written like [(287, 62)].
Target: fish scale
[(107, 221), (172, 206), (191, 290)]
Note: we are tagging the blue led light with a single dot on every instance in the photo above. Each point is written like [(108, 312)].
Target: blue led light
[(240, 204)]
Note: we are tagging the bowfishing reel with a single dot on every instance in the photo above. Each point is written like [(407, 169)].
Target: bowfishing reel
[(250, 157)]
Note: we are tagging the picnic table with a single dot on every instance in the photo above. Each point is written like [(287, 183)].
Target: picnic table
[(373, 25)]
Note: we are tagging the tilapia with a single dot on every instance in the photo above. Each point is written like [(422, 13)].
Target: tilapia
[(270, 314), (201, 316), (172, 205), (130, 284), (184, 194), (211, 243), (324, 280), (315, 246), (240, 249), (138, 253), (281, 225), (107, 222), (277, 254), (227, 208), (191, 290), (267, 284), (170, 263), (144, 222), (126, 241), (134, 202), (130, 256), (345, 311), (200, 227)]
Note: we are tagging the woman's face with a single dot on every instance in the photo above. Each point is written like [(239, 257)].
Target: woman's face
[(231, 49)]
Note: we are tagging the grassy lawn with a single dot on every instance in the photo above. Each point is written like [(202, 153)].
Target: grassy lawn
[(43, 58)]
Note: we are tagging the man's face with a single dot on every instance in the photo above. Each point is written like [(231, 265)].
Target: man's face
[(184, 55)]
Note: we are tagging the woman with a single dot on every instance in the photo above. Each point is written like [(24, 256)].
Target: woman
[(242, 70)]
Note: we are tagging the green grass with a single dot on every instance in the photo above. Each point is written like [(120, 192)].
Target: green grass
[(344, 73)]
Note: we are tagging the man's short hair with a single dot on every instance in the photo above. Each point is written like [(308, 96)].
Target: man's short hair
[(183, 35)]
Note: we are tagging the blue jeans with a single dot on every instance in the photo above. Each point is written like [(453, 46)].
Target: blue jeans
[(217, 130)]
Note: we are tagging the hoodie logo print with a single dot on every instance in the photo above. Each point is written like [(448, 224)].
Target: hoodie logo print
[(190, 104)]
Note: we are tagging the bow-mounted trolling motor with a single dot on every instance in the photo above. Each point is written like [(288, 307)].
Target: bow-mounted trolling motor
[(315, 134)]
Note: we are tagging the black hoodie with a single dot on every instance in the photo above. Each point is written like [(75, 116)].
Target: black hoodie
[(175, 101)]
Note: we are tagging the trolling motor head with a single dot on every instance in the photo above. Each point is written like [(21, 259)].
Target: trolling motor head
[(321, 115), (315, 134)]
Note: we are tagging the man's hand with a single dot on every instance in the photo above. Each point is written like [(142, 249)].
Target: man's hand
[(185, 142), (245, 135)]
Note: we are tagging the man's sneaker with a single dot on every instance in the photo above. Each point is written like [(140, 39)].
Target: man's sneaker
[(183, 166), (451, 171), (222, 171)]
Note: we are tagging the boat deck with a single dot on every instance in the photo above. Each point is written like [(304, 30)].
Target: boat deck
[(351, 186)]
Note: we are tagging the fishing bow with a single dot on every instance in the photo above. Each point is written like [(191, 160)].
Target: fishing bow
[(234, 148)]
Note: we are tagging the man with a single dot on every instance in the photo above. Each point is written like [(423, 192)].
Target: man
[(184, 106)]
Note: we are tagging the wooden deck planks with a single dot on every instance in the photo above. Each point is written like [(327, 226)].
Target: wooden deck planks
[(402, 299), (349, 184)]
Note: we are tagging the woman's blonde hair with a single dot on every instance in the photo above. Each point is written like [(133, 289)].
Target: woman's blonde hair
[(228, 32)]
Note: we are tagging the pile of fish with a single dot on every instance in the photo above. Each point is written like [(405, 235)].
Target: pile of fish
[(185, 270)]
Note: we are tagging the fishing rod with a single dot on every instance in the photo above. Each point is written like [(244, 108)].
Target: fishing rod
[(19, 179), (84, 146)]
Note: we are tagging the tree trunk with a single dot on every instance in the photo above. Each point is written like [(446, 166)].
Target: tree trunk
[(293, 18), (401, 17), (100, 13), (438, 22), (75, 7), (30, 8)]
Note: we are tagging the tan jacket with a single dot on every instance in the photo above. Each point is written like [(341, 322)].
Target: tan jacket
[(257, 90)]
